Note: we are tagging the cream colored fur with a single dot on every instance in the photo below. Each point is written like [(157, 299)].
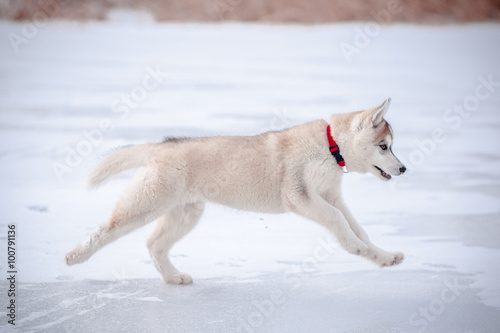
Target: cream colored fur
[(274, 172)]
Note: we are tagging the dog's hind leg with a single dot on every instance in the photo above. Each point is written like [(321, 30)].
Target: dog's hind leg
[(146, 199), (169, 229)]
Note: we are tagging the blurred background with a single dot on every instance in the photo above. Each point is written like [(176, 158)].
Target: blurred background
[(279, 11), (80, 78)]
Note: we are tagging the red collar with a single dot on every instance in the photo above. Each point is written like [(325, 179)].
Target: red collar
[(334, 149)]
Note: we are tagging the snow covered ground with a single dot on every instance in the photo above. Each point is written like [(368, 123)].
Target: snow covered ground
[(70, 92)]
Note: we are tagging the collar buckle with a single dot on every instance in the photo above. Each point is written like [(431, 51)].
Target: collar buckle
[(334, 149)]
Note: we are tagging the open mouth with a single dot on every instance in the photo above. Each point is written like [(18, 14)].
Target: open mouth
[(383, 173)]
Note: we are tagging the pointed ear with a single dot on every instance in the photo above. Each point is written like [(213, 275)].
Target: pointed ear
[(377, 113)]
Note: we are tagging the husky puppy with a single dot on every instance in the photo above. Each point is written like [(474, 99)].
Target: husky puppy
[(275, 172)]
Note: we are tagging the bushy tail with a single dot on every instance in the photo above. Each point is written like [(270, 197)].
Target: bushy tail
[(125, 158)]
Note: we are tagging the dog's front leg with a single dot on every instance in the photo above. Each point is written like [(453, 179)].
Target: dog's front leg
[(377, 255), (319, 210)]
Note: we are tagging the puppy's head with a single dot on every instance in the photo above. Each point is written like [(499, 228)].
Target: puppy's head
[(370, 144)]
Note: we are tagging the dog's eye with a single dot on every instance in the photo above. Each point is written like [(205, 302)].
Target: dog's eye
[(383, 147)]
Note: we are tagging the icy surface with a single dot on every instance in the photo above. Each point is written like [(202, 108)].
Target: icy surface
[(253, 272)]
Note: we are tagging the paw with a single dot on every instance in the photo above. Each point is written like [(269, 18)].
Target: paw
[(386, 259), (398, 258), (75, 256), (69, 259), (179, 278)]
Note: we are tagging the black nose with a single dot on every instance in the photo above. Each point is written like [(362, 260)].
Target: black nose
[(402, 169)]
